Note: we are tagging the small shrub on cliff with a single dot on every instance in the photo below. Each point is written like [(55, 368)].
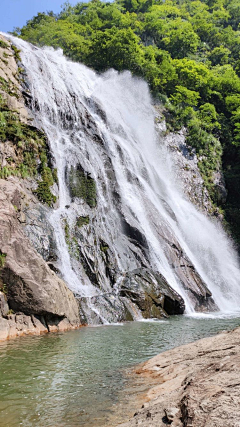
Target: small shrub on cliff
[(7, 87), (82, 220), (47, 180), (2, 259), (3, 44), (82, 185)]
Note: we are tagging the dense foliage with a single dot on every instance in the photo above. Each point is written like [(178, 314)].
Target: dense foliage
[(189, 53)]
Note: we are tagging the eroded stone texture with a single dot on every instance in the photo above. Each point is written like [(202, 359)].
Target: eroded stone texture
[(196, 385), (151, 293), (9, 72), (187, 173), (18, 325), (4, 329), (31, 287), (4, 308)]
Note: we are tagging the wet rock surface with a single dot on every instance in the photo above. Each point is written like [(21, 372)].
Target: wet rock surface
[(39, 230), (151, 293), (137, 290), (195, 385), (197, 291)]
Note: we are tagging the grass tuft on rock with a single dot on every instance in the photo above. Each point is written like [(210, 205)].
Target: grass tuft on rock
[(82, 220), (2, 259), (82, 185), (3, 44)]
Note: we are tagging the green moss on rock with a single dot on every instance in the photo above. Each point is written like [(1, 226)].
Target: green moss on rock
[(3, 44), (16, 53), (2, 259), (31, 148), (44, 193), (104, 247), (7, 86), (71, 241), (82, 185), (54, 175), (47, 180), (67, 233), (82, 220)]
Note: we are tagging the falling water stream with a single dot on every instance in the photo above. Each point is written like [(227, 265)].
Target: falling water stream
[(118, 108)]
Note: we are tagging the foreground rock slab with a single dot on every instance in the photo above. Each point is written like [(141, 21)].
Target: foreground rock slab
[(196, 385)]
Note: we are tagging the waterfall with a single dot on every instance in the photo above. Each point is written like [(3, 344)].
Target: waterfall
[(102, 127)]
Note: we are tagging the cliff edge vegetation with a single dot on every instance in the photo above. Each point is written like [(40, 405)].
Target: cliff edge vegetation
[(188, 51)]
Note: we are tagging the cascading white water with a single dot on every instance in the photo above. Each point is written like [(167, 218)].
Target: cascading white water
[(120, 111)]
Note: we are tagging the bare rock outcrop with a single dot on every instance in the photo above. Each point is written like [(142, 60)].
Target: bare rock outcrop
[(151, 293), (33, 299), (186, 170), (11, 89), (195, 385), (30, 286), (17, 325)]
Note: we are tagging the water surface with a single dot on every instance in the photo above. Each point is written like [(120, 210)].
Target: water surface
[(78, 378)]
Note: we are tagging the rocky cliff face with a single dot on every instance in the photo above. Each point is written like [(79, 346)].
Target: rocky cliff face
[(187, 173), (30, 270), (33, 299)]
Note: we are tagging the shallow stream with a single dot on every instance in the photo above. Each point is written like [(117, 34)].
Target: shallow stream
[(83, 377)]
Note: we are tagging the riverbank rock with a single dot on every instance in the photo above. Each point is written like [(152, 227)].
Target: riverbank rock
[(18, 325), (30, 285), (195, 385)]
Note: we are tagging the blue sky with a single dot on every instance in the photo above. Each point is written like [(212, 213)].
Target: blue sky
[(15, 13)]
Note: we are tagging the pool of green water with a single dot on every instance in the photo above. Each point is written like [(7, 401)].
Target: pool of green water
[(78, 378)]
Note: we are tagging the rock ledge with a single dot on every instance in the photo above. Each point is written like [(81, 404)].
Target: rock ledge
[(196, 385)]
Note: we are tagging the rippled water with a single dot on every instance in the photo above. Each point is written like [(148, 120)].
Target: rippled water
[(77, 378)]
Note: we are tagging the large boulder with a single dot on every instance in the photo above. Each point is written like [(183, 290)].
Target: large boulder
[(151, 293), (31, 287), (196, 289)]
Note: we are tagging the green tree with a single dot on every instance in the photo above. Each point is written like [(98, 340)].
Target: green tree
[(117, 48), (179, 39), (219, 55), (184, 97)]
